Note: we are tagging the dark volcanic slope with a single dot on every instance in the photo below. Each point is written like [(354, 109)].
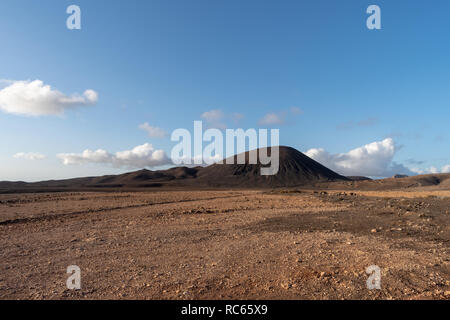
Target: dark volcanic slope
[(295, 169), (142, 178)]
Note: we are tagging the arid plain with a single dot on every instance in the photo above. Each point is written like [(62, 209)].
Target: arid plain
[(226, 244)]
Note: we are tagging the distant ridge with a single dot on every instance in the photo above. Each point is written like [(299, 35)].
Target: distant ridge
[(399, 176), (359, 178), (295, 169)]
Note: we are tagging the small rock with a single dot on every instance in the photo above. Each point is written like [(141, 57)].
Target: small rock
[(286, 285)]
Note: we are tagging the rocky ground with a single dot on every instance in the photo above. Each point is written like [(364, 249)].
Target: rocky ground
[(281, 244)]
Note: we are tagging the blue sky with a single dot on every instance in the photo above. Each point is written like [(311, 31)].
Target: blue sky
[(166, 63)]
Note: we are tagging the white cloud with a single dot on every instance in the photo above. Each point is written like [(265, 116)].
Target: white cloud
[(373, 159), (212, 115), (141, 156), (87, 156), (138, 157), (218, 119), (272, 119), (34, 98), (153, 131), (279, 118), (214, 118), (29, 156), (432, 170)]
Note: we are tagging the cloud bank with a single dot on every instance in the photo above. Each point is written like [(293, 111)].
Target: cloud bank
[(29, 156), (139, 157), (34, 98), (444, 169), (374, 160)]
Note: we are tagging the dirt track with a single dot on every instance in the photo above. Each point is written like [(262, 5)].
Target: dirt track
[(225, 244)]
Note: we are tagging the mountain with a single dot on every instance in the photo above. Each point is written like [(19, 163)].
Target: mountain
[(295, 169)]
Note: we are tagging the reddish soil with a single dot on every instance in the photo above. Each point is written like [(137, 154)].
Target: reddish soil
[(246, 244)]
